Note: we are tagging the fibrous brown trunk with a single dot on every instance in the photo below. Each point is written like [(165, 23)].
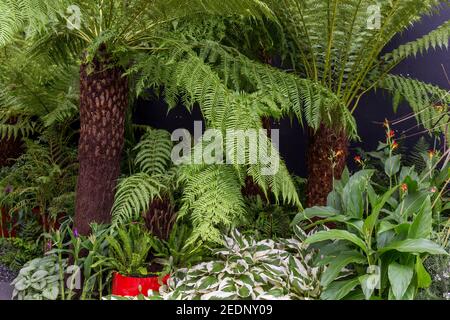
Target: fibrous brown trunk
[(103, 104), (325, 147), (10, 149)]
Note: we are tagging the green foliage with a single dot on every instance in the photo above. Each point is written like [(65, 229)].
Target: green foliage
[(177, 252), (437, 38), (429, 103), (246, 269), (128, 251), (120, 27), (340, 46), (439, 269), (212, 197), (266, 221), (44, 177), (38, 279), (154, 178), (383, 238), (15, 252), (36, 95)]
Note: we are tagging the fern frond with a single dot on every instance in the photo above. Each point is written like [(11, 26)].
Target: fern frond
[(429, 103), (154, 151), (212, 197), (438, 38), (133, 196)]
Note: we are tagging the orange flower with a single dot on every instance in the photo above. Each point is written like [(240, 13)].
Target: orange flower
[(339, 153), (431, 153), (404, 187), (394, 145), (357, 159), (439, 107), (390, 134)]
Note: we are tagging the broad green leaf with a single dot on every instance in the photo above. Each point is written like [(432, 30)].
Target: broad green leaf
[(400, 277), (392, 165), (422, 224), (320, 212), (352, 195), (51, 293), (208, 282), (385, 226), (334, 200), (423, 277), (411, 204), (369, 283), (337, 290), (414, 246), (370, 222), (338, 263), (337, 235)]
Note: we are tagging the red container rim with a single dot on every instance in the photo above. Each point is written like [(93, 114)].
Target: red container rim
[(134, 286)]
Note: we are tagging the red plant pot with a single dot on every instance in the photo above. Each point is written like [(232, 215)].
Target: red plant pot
[(134, 286)]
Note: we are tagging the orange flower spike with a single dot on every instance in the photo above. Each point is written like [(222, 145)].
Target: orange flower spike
[(390, 134), (394, 145), (404, 187)]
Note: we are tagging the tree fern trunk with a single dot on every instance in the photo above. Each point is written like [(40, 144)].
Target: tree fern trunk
[(10, 149), (320, 159), (103, 104)]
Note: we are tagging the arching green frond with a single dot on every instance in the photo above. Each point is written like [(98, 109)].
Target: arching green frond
[(213, 199), (154, 151), (23, 15), (134, 195), (429, 103), (439, 37), (35, 94)]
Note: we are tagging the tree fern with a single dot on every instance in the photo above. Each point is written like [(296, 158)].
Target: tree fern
[(331, 41)]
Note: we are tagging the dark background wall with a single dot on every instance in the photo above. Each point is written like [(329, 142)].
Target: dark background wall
[(373, 109)]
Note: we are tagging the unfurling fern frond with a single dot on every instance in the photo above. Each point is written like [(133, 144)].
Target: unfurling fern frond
[(429, 103), (133, 196), (213, 199)]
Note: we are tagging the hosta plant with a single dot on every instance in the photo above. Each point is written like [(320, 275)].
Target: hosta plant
[(247, 269), (39, 279), (382, 237)]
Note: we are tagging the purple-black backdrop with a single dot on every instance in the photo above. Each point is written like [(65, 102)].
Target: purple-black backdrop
[(374, 107)]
